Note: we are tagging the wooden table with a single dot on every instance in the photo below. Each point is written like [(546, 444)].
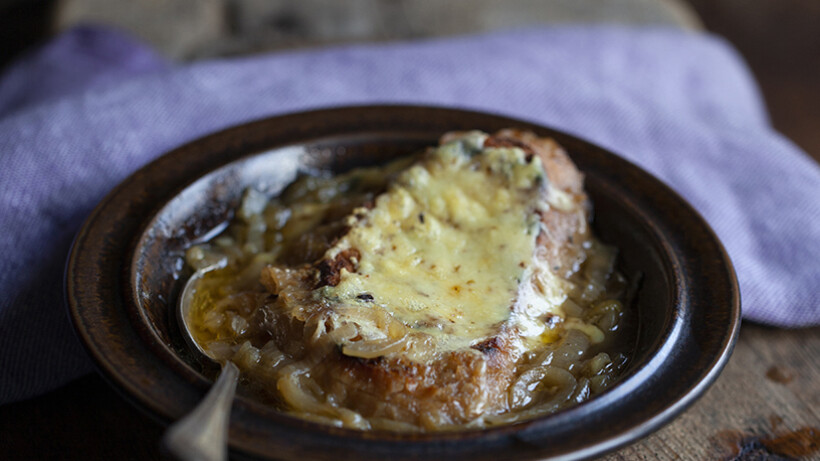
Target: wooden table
[(765, 405)]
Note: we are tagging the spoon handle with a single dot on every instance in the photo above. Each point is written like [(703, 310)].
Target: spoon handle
[(203, 433)]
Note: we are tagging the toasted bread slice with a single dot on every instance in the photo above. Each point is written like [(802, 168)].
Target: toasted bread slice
[(420, 309)]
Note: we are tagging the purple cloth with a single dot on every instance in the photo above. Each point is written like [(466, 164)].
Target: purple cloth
[(90, 107)]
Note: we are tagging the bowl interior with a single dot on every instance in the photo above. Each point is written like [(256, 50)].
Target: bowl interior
[(202, 208)]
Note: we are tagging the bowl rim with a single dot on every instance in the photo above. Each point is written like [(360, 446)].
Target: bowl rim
[(101, 307)]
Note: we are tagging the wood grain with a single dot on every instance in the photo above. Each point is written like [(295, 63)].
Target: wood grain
[(769, 388)]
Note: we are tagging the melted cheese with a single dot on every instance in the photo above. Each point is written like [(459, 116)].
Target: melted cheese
[(446, 248)]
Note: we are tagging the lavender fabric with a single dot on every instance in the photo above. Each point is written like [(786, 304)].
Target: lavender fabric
[(91, 106)]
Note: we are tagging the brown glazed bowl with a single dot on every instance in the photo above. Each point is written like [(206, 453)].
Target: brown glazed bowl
[(126, 269)]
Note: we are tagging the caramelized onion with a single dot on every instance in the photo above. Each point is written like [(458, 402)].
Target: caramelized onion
[(373, 349), (544, 386)]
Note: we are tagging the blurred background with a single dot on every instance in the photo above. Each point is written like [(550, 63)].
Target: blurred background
[(780, 39)]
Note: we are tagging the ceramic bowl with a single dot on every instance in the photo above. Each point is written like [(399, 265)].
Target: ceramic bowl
[(126, 269)]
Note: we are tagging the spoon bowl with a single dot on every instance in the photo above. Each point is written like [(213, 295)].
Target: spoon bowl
[(203, 433), (183, 310)]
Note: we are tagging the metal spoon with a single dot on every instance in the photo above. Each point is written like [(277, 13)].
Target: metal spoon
[(203, 433)]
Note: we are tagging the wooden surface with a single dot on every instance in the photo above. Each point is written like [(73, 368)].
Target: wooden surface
[(768, 394), (765, 405)]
